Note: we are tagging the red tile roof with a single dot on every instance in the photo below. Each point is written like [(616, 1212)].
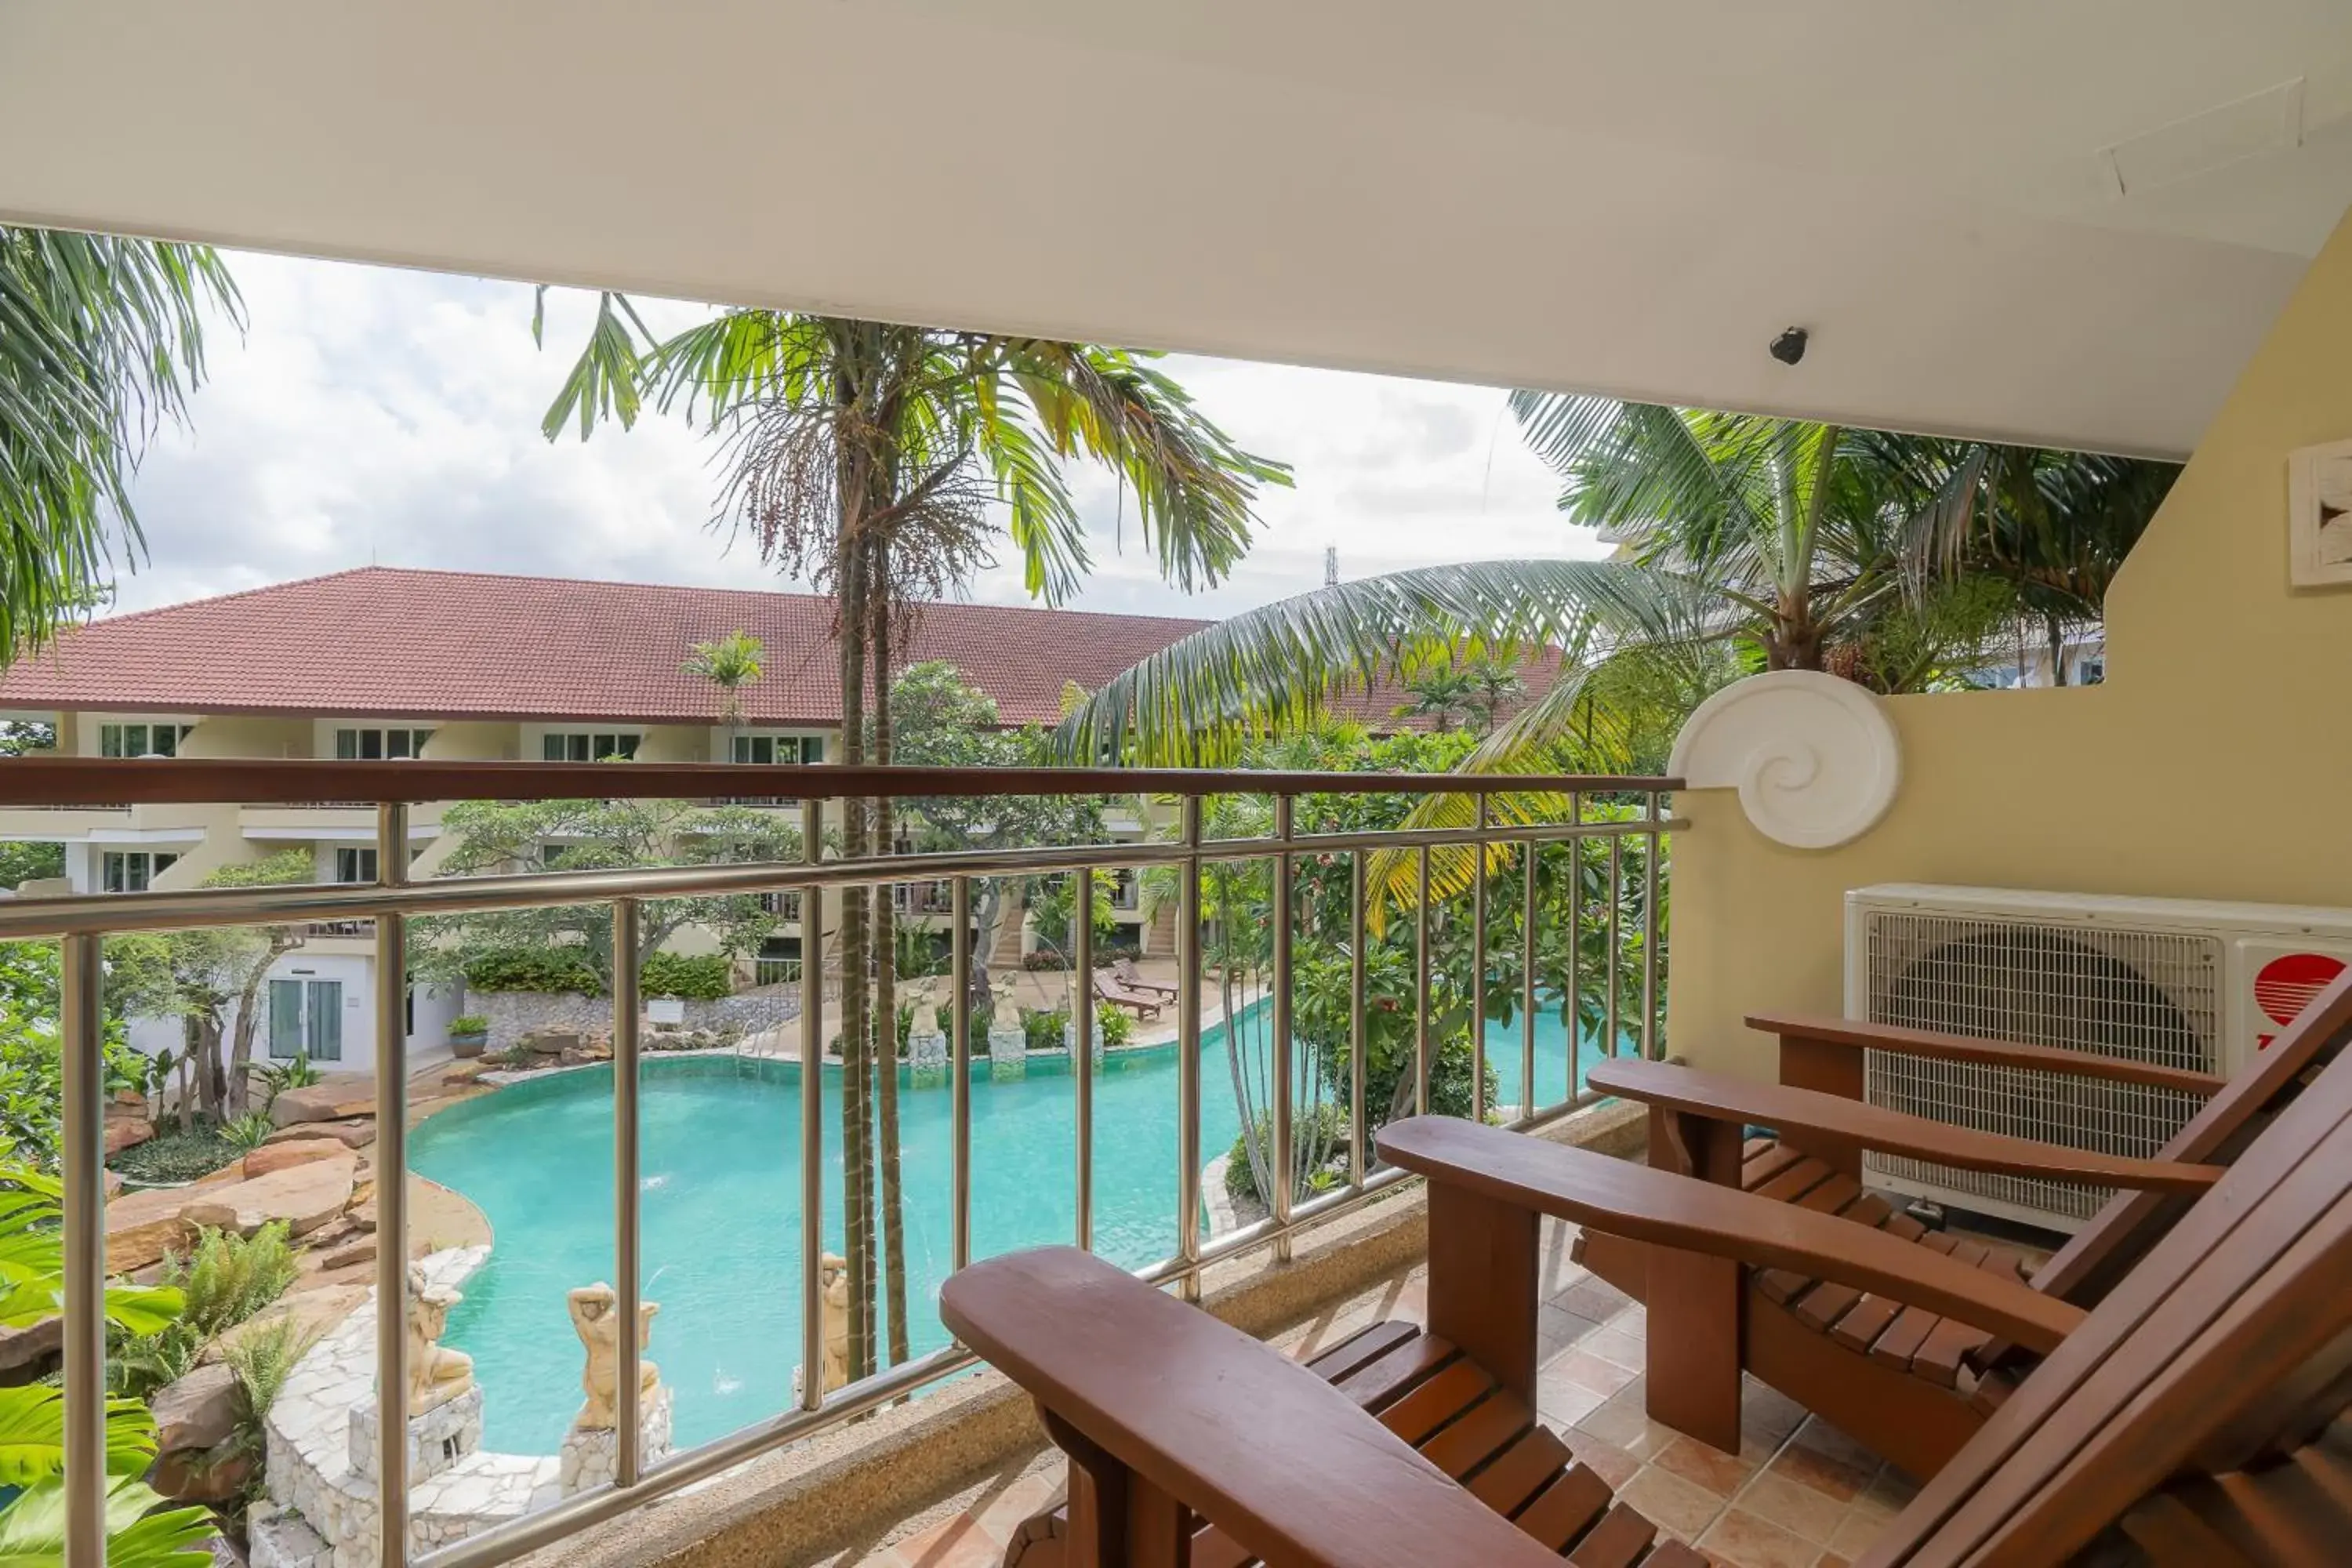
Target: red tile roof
[(385, 642)]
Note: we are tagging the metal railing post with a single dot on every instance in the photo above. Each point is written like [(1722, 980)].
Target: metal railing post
[(1082, 1054), (1188, 1054), (959, 1069), (1527, 986), (81, 1003), (626, 1188), (1479, 971), (1283, 1158), (1614, 959), (1421, 959), (811, 1110), (391, 1191), (1356, 1044), (1649, 929)]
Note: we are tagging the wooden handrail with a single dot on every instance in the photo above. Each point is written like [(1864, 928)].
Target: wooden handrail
[(1800, 1111), (1621, 1198), (184, 780), (1867, 1036)]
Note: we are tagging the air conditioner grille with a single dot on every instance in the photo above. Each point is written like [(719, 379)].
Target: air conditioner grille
[(2152, 996)]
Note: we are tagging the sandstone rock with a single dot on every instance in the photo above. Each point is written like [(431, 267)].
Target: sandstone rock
[(361, 1249), (143, 1226), (552, 1042), (313, 1312), (305, 1196), (463, 1073), (351, 1134), (29, 1346), (126, 1132), (323, 1102), (195, 1477), (114, 1182), (197, 1412), (294, 1151)]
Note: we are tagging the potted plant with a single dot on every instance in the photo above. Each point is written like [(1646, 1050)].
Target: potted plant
[(469, 1033)]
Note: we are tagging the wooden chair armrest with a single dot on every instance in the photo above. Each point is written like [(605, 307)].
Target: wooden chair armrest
[(1233, 1429), (1801, 1111), (1621, 1198), (1860, 1035)]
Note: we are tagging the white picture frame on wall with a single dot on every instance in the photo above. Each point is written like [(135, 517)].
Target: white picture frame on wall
[(2319, 516)]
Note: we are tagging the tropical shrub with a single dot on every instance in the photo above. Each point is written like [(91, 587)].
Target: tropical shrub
[(1318, 1133), (1046, 961), (551, 971), (276, 1077), (1117, 1028), (226, 1280), (262, 1362), (249, 1131), (469, 1024), (703, 977), (175, 1156), (141, 1533), (1041, 1027)]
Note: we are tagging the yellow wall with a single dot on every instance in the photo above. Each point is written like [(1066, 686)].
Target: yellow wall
[(2216, 762), (249, 735)]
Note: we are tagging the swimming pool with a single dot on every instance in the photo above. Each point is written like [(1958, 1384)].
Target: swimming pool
[(720, 1208)]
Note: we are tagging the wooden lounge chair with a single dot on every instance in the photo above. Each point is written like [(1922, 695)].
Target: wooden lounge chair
[(1108, 989), (1132, 978), (1912, 1383), (2197, 1416)]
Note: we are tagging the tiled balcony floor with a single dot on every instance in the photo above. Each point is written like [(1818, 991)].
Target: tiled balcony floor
[(1800, 1494)]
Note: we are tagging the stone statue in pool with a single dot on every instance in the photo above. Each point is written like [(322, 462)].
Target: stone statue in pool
[(832, 1284), (596, 1319), (437, 1374)]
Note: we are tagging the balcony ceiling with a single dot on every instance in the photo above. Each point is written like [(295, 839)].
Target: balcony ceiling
[(1578, 193)]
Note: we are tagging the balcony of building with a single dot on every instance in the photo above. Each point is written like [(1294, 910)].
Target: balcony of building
[(2074, 228)]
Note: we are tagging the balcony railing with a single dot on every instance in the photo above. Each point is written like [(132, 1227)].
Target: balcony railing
[(1613, 828)]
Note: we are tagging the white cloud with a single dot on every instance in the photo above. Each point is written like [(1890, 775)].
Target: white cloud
[(371, 414)]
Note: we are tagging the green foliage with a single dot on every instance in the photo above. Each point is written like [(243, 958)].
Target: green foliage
[(224, 1280), (261, 1361), (103, 340), (1319, 1135), (32, 1417), (175, 1156), (32, 1085), (1117, 1027), (1041, 1027), (22, 863), (730, 663), (571, 948), (704, 977), (248, 1132), (469, 1024), (551, 971), (1052, 901), (276, 1077)]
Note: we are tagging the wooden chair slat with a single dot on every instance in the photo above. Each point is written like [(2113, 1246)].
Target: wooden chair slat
[(1437, 1401), (1483, 1431), (1868, 1209), (1943, 1241), (1781, 1284), (1775, 1160), (1832, 1196), (1675, 1555), (1901, 1225), (1381, 1383), (1520, 1471), (1751, 1147), (1865, 1322), (1617, 1542), (1566, 1508), (1904, 1337), (1212, 1548), (1946, 1346), (1802, 1177), (1359, 1350), (1824, 1305)]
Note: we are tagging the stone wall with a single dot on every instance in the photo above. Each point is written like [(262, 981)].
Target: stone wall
[(514, 1014)]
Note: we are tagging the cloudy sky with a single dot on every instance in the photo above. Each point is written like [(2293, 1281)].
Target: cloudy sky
[(373, 414)]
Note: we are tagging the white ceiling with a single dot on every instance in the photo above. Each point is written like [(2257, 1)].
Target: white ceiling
[(1581, 193)]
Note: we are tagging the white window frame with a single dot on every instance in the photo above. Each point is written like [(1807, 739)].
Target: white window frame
[(117, 732), (394, 742), (359, 859), (592, 745), (115, 868)]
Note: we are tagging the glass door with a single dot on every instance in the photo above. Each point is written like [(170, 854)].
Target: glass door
[(285, 1019), (322, 1030)]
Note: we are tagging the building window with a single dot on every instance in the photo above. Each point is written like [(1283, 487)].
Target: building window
[(772, 749), (306, 1019), (588, 747), (131, 870), (369, 745), (141, 740), (354, 865)]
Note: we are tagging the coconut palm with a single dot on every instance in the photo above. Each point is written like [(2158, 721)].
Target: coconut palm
[(101, 339), (1745, 543), (870, 460), (730, 663), (1441, 696)]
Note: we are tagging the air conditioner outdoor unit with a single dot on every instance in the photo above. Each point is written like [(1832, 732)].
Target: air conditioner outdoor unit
[(2182, 983)]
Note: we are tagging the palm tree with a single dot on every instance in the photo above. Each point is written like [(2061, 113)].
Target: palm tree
[(1440, 695), (1746, 543), (867, 458), (730, 663), (101, 339)]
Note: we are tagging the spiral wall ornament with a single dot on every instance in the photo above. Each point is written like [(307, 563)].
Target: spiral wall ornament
[(1813, 757)]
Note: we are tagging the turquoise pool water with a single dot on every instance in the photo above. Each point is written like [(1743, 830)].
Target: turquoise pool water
[(720, 1210)]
